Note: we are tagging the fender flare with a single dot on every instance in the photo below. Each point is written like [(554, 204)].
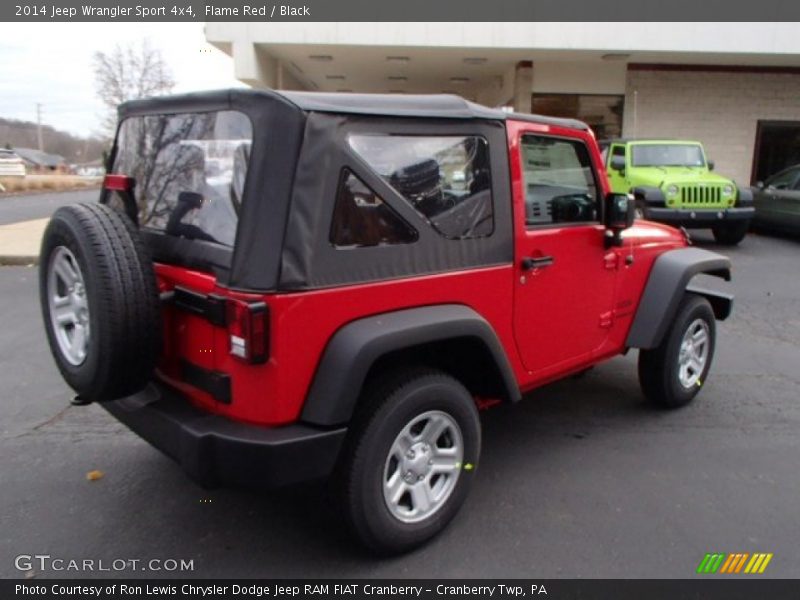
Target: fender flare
[(744, 196), (668, 281), (651, 195), (355, 347)]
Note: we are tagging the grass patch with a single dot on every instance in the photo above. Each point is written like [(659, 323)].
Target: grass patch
[(53, 183)]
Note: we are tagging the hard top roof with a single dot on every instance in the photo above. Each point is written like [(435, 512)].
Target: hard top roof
[(445, 106)]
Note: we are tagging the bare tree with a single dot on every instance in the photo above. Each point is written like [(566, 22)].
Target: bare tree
[(129, 72)]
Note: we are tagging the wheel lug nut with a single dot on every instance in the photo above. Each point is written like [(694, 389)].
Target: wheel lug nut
[(430, 462), (410, 454), (421, 477)]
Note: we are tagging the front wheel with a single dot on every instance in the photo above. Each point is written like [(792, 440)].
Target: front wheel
[(412, 454), (672, 373), (730, 234)]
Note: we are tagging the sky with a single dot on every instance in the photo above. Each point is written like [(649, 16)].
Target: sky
[(51, 63)]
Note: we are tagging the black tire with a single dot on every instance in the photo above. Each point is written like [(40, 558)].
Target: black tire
[(730, 234), (124, 317), (387, 407), (659, 368)]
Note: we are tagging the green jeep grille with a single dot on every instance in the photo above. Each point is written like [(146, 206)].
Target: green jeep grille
[(701, 195)]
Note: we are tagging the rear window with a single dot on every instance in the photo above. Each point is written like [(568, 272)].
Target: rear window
[(189, 170)]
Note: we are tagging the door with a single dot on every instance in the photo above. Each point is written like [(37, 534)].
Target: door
[(778, 201), (565, 278), (789, 206), (619, 185)]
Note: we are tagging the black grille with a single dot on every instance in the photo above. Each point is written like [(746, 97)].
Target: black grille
[(701, 194)]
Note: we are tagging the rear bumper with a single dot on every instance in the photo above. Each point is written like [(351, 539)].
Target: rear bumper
[(699, 217), (216, 451)]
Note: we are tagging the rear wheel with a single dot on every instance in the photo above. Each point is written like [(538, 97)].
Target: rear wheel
[(730, 234), (99, 301), (671, 374), (410, 459)]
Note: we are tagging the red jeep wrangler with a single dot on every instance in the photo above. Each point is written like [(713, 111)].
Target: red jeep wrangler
[(283, 286)]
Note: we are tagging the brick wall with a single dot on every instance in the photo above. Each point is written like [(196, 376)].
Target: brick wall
[(718, 108)]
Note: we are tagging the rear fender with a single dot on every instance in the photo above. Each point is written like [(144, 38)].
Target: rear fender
[(357, 346)]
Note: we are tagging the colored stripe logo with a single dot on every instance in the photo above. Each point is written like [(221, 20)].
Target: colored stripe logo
[(742, 562)]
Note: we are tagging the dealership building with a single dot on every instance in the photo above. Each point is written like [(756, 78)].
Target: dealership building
[(733, 86)]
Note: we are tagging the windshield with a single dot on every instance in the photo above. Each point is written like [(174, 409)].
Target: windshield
[(667, 155)]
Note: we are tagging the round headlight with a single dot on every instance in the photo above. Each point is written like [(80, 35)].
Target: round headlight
[(727, 190), (672, 190)]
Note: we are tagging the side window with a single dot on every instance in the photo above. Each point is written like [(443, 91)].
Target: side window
[(446, 179), (362, 218), (617, 151), (559, 182), (783, 181)]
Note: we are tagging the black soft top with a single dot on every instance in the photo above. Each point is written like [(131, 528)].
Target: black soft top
[(300, 150), (442, 106)]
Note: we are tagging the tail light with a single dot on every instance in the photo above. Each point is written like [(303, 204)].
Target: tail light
[(118, 183), (248, 329)]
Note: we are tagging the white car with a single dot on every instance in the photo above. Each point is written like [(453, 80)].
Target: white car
[(11, 165)]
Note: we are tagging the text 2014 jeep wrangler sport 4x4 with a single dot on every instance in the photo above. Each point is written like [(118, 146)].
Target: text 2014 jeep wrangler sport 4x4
[(283, 286)]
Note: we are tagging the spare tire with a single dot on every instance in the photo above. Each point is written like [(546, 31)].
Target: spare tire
[(99, 298)]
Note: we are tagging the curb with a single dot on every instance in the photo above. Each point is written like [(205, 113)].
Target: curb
[(19, 260), (20, 243)]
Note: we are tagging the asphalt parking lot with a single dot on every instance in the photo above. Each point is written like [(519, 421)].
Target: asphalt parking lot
[(582, 479), (37, 206)]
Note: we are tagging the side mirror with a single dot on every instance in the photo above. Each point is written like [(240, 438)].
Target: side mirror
[(710, 165), (618, 163), (620, 211)]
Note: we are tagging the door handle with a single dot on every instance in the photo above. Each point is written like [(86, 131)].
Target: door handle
[(530, 262)]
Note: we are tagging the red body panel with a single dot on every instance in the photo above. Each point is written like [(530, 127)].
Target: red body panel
[(602, 286), (301, 325)]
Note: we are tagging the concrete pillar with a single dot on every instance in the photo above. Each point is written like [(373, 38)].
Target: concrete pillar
[(523, 86), (253, 67), (260, 70)]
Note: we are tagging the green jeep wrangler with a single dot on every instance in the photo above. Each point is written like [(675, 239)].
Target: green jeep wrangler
[(671, 181)]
